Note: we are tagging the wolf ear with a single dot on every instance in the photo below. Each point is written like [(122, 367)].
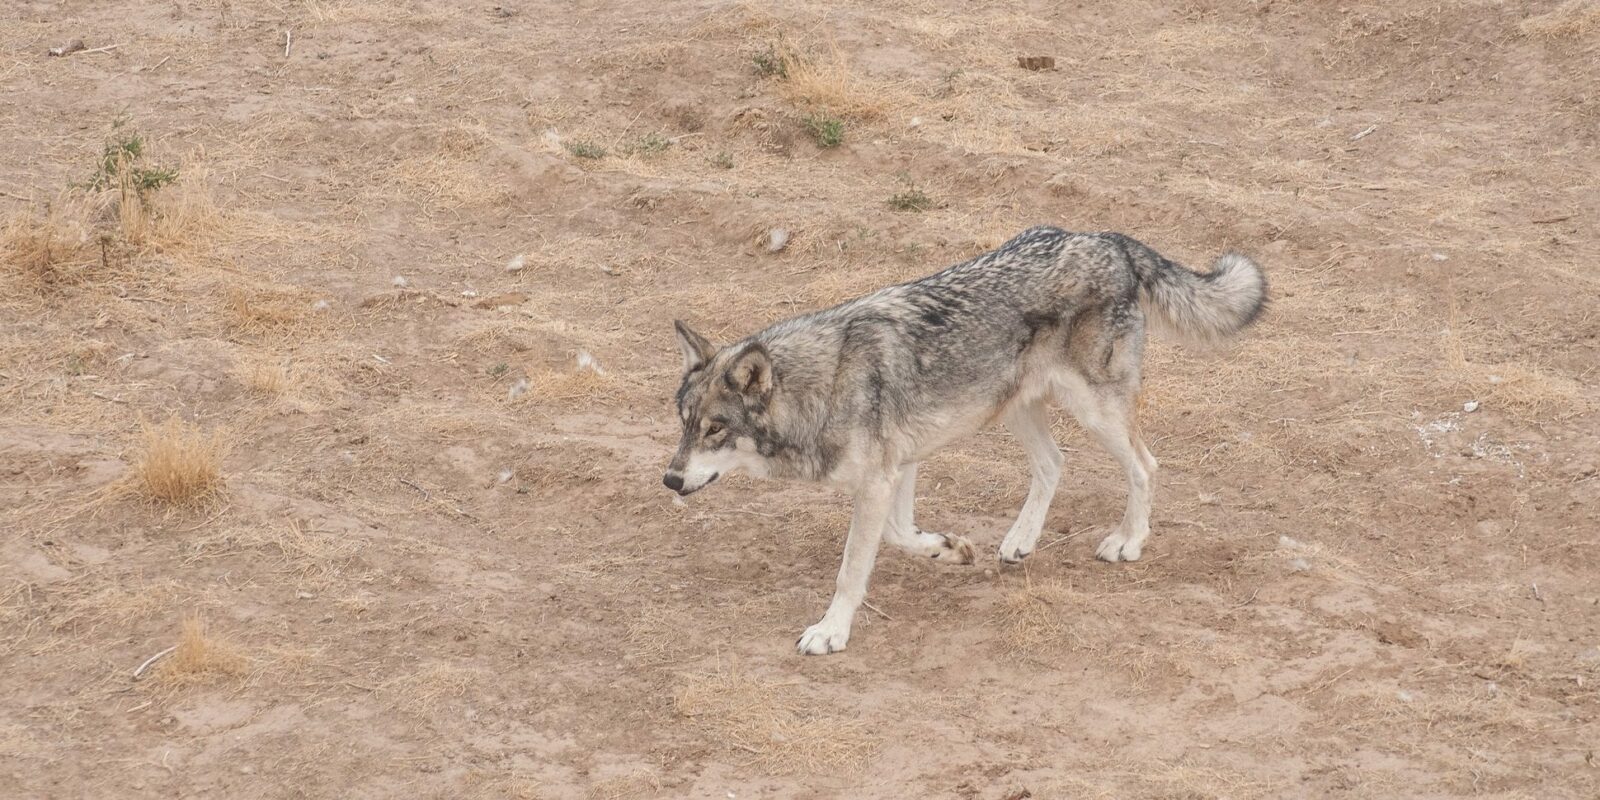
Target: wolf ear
[(696, 349), (750, 374)]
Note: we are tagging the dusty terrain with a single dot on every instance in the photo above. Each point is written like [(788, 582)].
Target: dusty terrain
[(436, 560)]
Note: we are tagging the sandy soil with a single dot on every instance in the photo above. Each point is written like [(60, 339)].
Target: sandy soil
[(416, 582)]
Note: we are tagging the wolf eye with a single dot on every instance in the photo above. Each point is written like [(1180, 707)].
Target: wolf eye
[(713, 429)]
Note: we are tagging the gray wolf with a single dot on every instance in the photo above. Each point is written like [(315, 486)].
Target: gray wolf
[(855, 395)]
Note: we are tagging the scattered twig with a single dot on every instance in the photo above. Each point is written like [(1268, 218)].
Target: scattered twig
[(1321, 685), (1550, 220), (151, 660), (274, 177), (159, 64), (879, 611), (1364, 333), (111, 399), (426, 495), (1364, 133), (17, 197), (70, 47), (1536, 594), (108, 48), (288, 40), (1248, 600), (1059, 540)]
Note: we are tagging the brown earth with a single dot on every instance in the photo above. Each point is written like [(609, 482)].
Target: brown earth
[(412, 584)]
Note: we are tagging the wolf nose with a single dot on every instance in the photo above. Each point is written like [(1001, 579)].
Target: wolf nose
[(673, 481)]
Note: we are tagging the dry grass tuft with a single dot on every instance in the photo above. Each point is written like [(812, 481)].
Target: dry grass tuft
[(49, 250), (641, 783), (200, 658), (424, 691), (270, 377), (1033, 618), (828, 84), (764, 719), (166, 215), (568, 385), (180, 465), (266, 312), (1571, 19), (1522, 390)]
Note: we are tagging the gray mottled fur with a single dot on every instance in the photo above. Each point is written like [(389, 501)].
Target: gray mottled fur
[(857, 394)]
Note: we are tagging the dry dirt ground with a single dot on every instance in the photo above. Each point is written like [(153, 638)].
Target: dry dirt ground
[(436, 560)]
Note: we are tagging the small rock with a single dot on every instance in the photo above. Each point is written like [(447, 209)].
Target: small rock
[(400, 282), (321, 305), (518, 388), (1439, 257), (247, 770), (1299, 565), (1469, 406), (777, 239), (1292, 544), (916, 122), (516, 263), (1208, 499), (1495, 379), (469, 293), (1404, 696), (506, 475), (304, 595)]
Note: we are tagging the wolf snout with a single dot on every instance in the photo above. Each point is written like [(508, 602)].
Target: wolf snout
[(673, 481)]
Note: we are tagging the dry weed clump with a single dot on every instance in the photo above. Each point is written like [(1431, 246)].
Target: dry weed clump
[(200, 658), (1570, 20), (638, 784), (829, 85), (52, 249), (268, 377), (180, 465), (1520, 389), (184, 214), (266, 312), (1033, 619), (425, 690), (761, 718)]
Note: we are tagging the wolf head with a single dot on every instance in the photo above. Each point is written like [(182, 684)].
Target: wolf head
[(724, 402)]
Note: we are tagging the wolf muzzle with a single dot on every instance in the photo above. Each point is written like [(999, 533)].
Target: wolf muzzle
[(674, 481)]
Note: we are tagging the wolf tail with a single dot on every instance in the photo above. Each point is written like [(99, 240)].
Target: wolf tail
[(1199, 307)]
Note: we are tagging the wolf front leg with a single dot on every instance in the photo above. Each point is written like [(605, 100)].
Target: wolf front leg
[(873, 502)]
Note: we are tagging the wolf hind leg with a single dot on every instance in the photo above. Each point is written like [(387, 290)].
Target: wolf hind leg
[(902, 531), (1031, 425), (1108, 413)]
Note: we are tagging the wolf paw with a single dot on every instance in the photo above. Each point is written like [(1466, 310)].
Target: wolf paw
[(955, 550), (1117, 547), (1013, 554), (822, 639)]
